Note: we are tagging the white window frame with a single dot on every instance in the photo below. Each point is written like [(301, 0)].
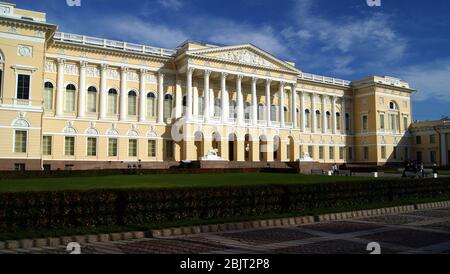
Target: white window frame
[(26, 142), (17, 85)]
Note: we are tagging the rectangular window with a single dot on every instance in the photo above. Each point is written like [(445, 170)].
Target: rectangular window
[(20, 142), (321, 155), (418, 140), (311, 151), (91, 146), (382, 126), (69, 146), (112, 147), (433, 139), (406, 123), (341, 153), (433, 157), (132, 148), (23, 86), (419, 156), (169, 149), (383, 153), (365, 120), (366, 153), (47, 145), (19, 167), (151, 148), (332, 153)]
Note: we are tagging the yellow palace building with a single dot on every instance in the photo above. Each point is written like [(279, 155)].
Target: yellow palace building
[(70, 101)]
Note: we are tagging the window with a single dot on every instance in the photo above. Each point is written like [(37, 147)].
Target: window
[(20, 142), (168, 102), (112, 147), (132, 148), (151, 105), (307, 118), (47, 145), (132, 103), (321, 155), (23, 86), (91, 146), (382, 125), (318, 119), (365, 122), (433, 157), (69, 102), (247, 111), (69, 146), (273, 113), (366, 153), (328, 120), (261, 112), (383, 152), (393, 106), (347, 122), (48, 96), (151, 148), (232, 111), (406, 123), (217, 107), (418, 140), (331, 151), (432, 139), (338, 121), (341, 153), (19, 167), (419, 156), (394, 122), (169, 149), (201, 105), (286, 114), (92, 99), (112, 102), (311, 151)]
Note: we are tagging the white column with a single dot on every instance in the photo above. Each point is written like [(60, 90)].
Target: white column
[(178, 99), (294, 105), (240, 100), (82, 91), (444, 160), (324, 114), (103, 91), (282, 103), (123, 94), (160, 98), (254, 102), (189, 73), (302, 110), (207, 97), (268, 82), (343, 113), (313, 113), (333, 113), (142, 97), (224, 97), (60, 88)]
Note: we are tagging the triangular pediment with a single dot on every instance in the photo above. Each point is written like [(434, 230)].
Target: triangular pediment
[(245, 55)]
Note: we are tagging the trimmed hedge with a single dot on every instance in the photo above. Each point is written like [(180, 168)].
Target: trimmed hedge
[(157, 206)]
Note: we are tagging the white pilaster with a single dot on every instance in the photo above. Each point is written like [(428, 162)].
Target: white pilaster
[(268, 82), (333, 113), (103, 91), (302, 110), (282, 104), (324, 115), (343, 114), (313, 113), (142, 97), (60, 88), (240, 100), (294, 105), (207, 97), (123, 94), (82, 91), (254, 102), (224, 97), (189, 74), (160, 98)]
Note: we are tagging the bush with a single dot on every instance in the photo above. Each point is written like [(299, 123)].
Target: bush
[(51, 210)]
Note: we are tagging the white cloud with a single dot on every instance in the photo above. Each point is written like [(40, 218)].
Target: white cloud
[(171, 4), (432, 80)]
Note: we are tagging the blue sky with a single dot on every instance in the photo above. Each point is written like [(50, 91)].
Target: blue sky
[(409, 39)]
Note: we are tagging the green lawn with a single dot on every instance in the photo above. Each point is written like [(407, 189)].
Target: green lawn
[(163, 181)]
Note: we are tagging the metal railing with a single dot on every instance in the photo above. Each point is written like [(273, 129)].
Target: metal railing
[(324, 79)]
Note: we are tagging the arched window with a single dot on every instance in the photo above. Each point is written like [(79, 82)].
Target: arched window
[(217, 107), (273, 113), (92, 99), (286, 114), (232, 110), (328, 120), (307, 118), (112, 102), (132, 103), (247, 110), (69, 102), (168, 103), (48, 96), (338, 121), (393, 105), (261, 112), (151, 105), (318, 124)]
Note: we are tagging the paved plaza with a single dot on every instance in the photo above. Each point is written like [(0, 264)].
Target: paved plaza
[(423, 232)]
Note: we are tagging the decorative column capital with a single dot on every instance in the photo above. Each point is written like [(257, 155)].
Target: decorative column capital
[(83, 64), (190, 71), (224, 75), (143, 71), (282, 84), (254, 80), (239, 77), (207, 73), (124, 69), (161, 75), (104, 67), (268, 82), (61, 61)]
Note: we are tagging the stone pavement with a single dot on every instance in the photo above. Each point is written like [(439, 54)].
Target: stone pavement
[(423, 232)]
